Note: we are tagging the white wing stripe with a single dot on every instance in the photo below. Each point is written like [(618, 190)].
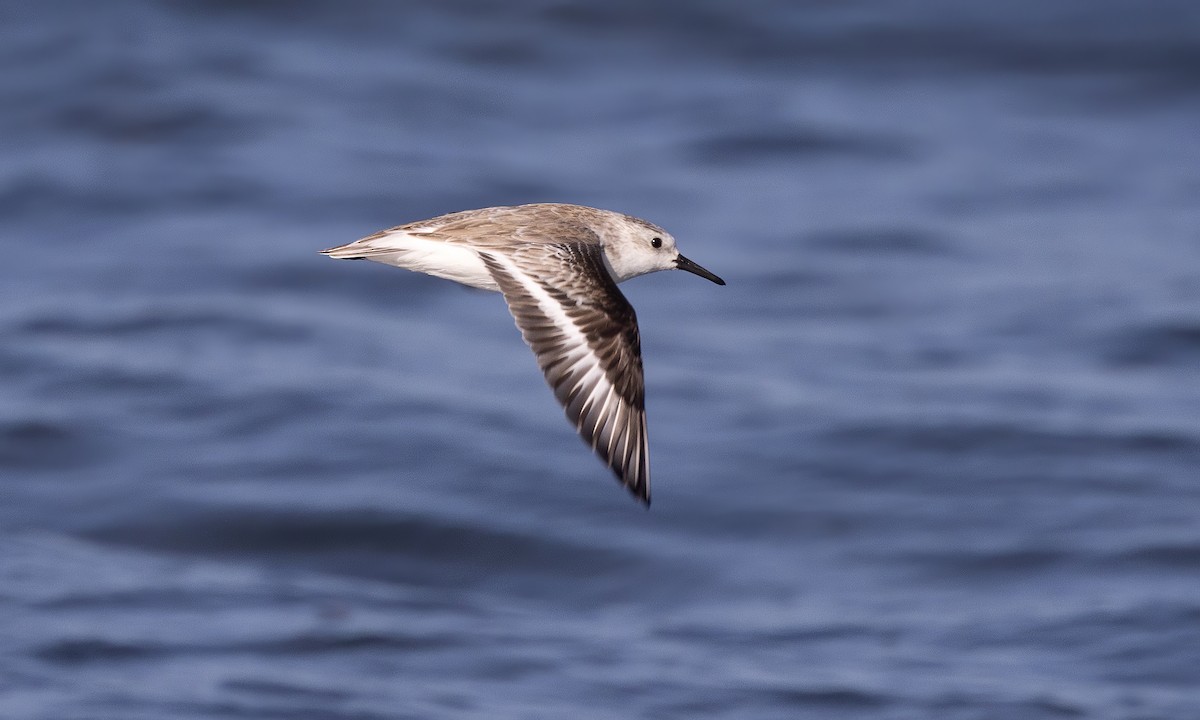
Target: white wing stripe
[(587, 358)]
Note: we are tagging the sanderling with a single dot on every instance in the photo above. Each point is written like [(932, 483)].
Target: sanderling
[(558, 267)]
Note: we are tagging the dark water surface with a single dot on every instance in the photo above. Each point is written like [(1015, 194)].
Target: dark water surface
[(933, 453)]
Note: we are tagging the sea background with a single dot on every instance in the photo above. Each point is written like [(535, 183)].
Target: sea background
[(934, 452)]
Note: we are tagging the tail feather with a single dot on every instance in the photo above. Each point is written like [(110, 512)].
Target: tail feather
[(350, 251), (385, 242), (420, 252)]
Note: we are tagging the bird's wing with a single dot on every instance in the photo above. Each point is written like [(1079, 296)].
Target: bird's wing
[(584, 334)]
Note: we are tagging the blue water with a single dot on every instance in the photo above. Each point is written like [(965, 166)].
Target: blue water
[(933, 453)]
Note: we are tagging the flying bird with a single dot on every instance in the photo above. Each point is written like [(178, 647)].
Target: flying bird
[(557, 266)]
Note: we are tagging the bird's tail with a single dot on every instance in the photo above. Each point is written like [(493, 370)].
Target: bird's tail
[(380, 243), (346, 252)]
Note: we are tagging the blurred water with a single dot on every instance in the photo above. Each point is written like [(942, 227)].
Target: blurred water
[(932, 453)]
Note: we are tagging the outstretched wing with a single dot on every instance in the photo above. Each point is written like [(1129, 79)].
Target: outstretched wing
[(584, 334)]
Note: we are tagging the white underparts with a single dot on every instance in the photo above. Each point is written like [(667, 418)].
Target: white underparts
[(433, 257)]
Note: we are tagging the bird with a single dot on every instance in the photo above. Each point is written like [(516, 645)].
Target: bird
[(557, 266)]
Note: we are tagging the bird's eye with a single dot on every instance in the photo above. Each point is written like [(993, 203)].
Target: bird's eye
[(656, 242)]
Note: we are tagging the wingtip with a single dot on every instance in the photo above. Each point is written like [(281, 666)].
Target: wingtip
[(636, 486)]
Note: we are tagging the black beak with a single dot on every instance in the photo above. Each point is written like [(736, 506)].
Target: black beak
[(684, 264)]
